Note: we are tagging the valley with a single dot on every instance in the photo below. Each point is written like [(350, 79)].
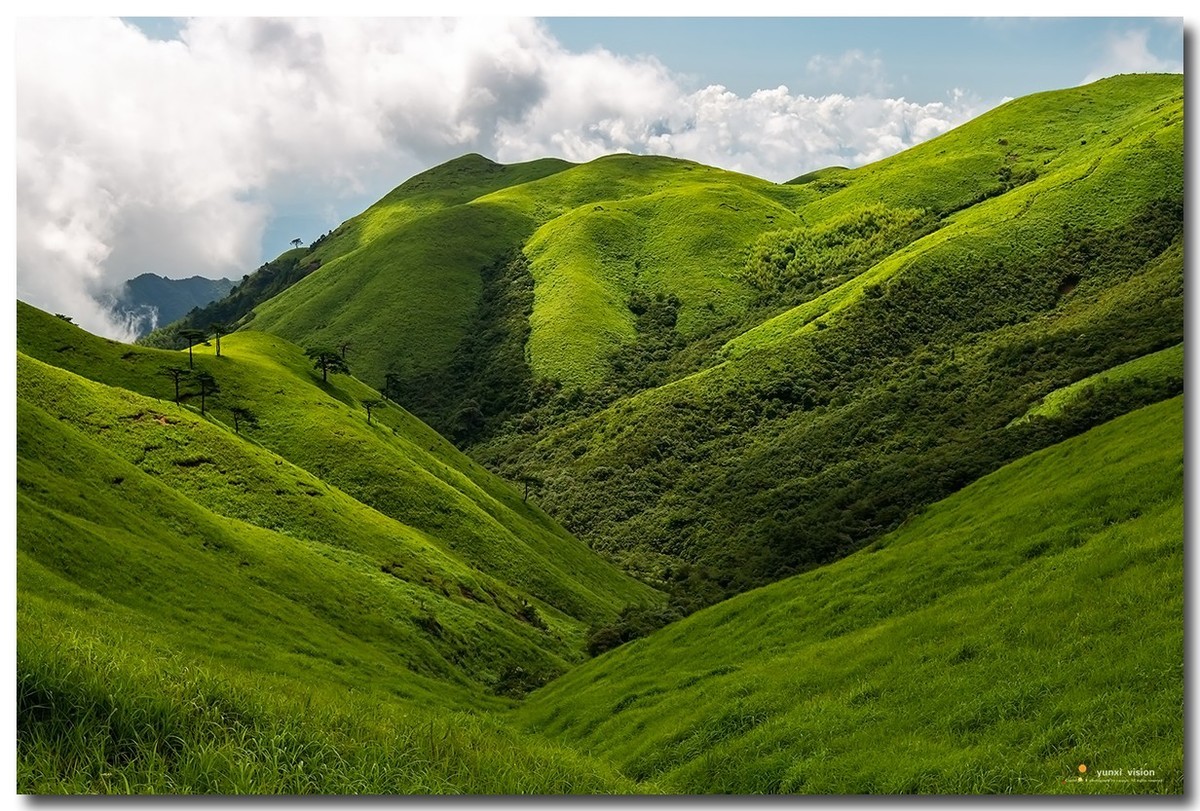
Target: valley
[(639, 476)]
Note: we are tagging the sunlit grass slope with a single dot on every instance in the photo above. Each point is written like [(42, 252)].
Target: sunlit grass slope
[(402, 280), (94, 522), (1152, 369), (199, 613), (108, 705), (1029, 623), (651, 226), (829, 424), (313, 463), (1080, 158)]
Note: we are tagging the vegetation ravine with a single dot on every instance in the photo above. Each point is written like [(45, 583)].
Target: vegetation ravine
[(639, 476)]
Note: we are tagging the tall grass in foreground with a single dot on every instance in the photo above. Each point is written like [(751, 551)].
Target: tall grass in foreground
[(94, 720)]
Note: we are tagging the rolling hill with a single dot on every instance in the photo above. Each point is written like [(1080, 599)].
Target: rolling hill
[(450, 570), (827, 425), (1028, 624), (915, 428), (306, 549), (683, 335), (166, 646)]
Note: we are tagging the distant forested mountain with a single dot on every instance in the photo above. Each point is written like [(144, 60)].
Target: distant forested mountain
[(149, 300)]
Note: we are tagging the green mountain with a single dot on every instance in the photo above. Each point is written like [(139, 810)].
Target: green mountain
[(919, 421), (148, 300), (306, 546), (1026, 625), (198, 614), (901, 374), (767, 376)]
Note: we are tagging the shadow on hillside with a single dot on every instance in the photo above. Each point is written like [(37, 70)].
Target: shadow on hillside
[(332, 390)]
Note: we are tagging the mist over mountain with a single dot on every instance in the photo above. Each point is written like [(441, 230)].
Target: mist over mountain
[(149, 301)]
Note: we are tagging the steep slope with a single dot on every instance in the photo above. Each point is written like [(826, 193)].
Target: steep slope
[(165, 648), (197, 612), (403, 479), (600, 235), (829, 424), (707, 368), (404, 282), (1030, 623), (627, 228), (405, 273)]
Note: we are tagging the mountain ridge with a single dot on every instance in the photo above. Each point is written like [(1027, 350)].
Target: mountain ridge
[(631, 288), (867, 483)]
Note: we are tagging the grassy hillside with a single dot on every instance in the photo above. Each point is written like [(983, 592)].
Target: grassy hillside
[(624, 226), (709, 371), (318, 589), (1158, 369), (635, 227), (107, 706), (400, 281), (405, 283), (396, 466), (901, 375), (1029, 623)]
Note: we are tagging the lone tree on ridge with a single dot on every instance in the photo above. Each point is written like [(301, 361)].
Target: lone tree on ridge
[(193, 337), (327, 360)]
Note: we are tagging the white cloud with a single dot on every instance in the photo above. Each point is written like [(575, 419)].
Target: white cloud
[(1129, 52), (772, 133), (137, 155)]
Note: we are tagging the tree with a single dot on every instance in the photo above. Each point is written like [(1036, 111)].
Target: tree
[(373, 402), (219, 329), (193, 337), (296, 242), (343, 346), (175, 373), (208, 386), (327, 360), (242, 414), (391, 385), (529, 479), (468, 419), (66, 318)]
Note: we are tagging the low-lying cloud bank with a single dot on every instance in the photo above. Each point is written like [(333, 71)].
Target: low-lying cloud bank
[(137, 155)]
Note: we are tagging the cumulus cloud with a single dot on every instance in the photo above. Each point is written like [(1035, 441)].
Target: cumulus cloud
[(140, 155), (1129, 52), (771, 133)]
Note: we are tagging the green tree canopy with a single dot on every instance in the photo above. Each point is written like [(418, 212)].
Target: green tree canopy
[(193, 337), (373, 403), (327, 359), (208, 387)]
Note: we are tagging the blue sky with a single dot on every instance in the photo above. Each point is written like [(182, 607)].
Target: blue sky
[(204, 145), (921, 58)]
